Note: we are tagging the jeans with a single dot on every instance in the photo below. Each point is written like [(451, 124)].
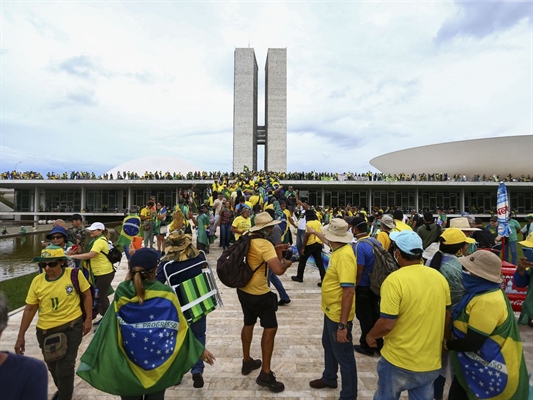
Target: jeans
[(367, 313), (273, 278), (339, 354), (510, 247), (63, 370), (148, 236), (394, 380), (225, 235), (300, 239), (199, 328)]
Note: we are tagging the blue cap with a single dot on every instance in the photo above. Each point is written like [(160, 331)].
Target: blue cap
[(144, 258), (408, 241), (57, 229)]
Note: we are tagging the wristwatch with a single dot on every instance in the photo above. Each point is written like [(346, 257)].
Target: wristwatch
[(341, 326)]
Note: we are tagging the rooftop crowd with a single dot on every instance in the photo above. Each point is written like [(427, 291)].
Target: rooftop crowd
[(287, 176)]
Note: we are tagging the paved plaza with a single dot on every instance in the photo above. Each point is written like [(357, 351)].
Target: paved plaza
[(297, 358)]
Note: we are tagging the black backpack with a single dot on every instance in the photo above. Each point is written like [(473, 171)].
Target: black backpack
[(76, 284), (384, 264), (114, 255), (233, 269)]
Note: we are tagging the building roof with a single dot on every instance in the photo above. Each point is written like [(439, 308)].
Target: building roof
[(500, 156)]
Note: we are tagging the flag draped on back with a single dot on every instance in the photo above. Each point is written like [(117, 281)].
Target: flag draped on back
[(131, 226), (140, 349), (497, 371)]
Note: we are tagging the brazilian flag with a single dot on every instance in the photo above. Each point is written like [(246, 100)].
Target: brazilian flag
[(497, 371), (131, 226), (140, 349)]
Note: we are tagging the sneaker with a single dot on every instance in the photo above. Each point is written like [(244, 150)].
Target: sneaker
[(198, 380), (296, 279), (283, 302), (363, 350), (250, 365), (320, 384), (269, 381)]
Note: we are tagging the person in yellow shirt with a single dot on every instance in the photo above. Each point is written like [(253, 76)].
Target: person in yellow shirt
[(414, 311), (242, 223), (311, 246), (398, 216), (58, 301)]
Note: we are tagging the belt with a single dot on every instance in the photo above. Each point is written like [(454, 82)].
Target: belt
[(60, 327)]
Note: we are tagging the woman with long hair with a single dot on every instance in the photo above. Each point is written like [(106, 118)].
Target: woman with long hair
[(146, 336)]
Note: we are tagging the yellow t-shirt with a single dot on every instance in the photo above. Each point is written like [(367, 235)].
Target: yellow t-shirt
[(314, 224), (261, 250), (100, 265), (384, 239), (340, 273), (58, 301), (485, 313), (146, 212), (401, 226), (242, 224), (417, 297)]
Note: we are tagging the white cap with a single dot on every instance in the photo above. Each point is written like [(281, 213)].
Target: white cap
[(95, 226)]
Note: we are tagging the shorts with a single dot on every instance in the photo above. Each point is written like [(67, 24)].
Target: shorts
[(263, 306)]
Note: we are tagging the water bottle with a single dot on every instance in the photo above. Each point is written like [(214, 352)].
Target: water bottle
[(95, 300)]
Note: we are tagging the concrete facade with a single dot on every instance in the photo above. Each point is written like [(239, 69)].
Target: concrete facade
[(245, 110), (247, 135), (276, 110)]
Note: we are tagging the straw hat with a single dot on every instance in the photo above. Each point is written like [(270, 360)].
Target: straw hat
[(484, 264), (262, 220), (337, 231), (462, 224)]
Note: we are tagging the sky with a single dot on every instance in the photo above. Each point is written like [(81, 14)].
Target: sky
[(88, 85)]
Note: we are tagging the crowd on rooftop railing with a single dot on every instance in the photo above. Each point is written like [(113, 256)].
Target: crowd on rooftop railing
[(287, 176)]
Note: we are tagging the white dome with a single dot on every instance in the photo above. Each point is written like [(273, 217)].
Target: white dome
[(154, 164)]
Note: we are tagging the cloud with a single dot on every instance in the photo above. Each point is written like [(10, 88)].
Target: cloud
[(480, 19), (80, 97)]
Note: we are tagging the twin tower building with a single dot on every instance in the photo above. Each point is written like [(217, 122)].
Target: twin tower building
[(247, 134)]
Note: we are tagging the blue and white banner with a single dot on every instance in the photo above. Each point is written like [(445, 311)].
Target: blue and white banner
[(502, 210)]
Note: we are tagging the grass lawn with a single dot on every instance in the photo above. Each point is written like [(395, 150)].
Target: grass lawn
[(16, 289)]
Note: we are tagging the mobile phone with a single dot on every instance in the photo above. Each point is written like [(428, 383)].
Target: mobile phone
[(287, 254)]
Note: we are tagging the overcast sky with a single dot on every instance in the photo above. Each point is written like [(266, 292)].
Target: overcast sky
[(89, 85)]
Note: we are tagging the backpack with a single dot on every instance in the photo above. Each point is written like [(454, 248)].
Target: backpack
[(384, 264), (114, 255), (233, 269), (76, 284)]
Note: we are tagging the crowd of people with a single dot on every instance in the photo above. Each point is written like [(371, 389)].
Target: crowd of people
[(286, 176), (439, 313)]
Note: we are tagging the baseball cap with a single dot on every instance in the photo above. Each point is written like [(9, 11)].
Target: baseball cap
[(455, 236), (494, 218), (75, 217), (145, 258), (95, 226), (408, 241)]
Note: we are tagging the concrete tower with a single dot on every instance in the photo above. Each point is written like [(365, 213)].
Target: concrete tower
[(247, 135)]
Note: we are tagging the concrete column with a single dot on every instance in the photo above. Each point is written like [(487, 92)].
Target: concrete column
[(36, 203), (369, 196), (416, 199), (83, 198), (462, 200), (130, 197)]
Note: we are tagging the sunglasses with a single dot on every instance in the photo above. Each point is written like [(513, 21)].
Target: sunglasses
[(56, 237), (51, 264)]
